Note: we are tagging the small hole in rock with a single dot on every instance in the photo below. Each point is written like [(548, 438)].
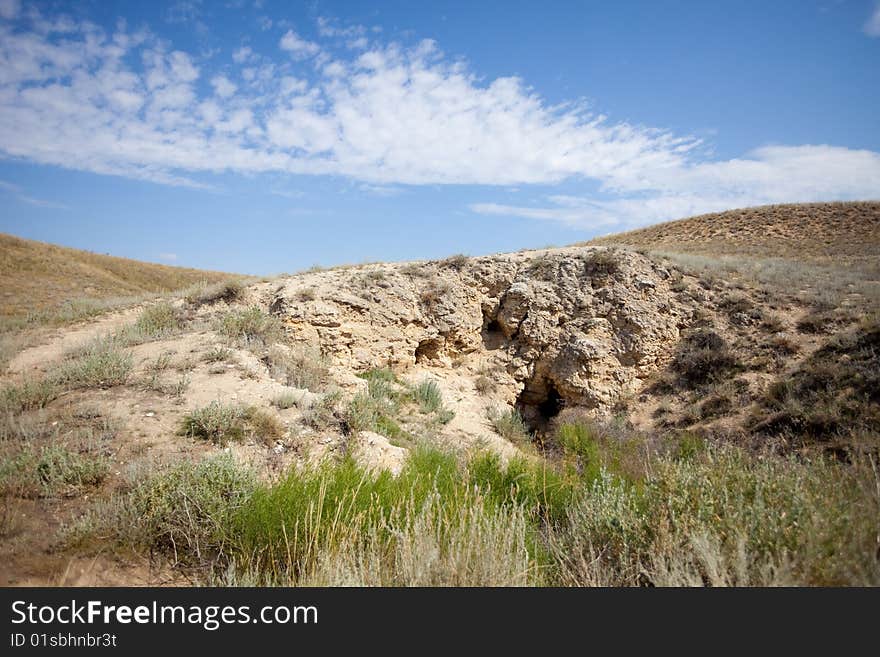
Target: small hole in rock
[(428, 350)]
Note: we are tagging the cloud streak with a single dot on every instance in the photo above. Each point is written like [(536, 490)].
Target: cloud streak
[(19, 194), (872, 26), (127, 104)]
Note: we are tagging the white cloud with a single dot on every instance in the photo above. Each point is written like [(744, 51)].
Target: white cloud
[(168, 257), (872, 26), (242, 54), (298, 47), (223, 86), (777, 174), (127, 104), (9, 9)]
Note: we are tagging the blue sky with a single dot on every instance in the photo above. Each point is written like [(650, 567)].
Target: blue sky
[(263, 137)]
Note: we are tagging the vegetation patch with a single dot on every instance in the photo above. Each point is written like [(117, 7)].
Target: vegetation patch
[(229, 291), (50, 470), (703, 357), (222, 424), (706, 516), (831, 395), (509, 424), (250, 326), (302, 368)]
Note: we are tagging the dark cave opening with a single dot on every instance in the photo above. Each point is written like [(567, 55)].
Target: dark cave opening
[(538, 403), (493, 336)]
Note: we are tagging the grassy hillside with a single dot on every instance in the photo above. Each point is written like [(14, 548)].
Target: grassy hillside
[(805, 231), (35, 276)]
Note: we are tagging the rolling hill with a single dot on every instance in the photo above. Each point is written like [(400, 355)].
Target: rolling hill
[(804, 231), (35, 276)]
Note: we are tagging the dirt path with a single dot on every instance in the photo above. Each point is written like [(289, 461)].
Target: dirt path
[(56, 342)]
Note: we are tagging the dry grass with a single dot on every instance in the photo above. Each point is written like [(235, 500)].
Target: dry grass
[(818, 252), (44, 277), (795, 231)]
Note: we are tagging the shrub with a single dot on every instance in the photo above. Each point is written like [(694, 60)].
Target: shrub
[(323, 413), (228, 291), (428, 396), (156, 321), (722, 518), (184, 512), (379, 374), (29, 394), (434, 294), (101, 363), (50, 470), (703, 357), (287, 399), (251, 325), (457, 262), (303, 368), (219, 355), (265, 425), (833, 393), (602, 263), (509, 424), (216, 422), (484, 385), (817, 322), (375, 410)]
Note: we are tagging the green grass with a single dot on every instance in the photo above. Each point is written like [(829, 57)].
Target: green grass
[(428, 396), (717, 516)]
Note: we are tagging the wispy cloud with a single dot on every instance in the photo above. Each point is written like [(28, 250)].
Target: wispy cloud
[(128, 104), (9, 9), (872, 26), (381, 190), (168, 257), (19, 194)]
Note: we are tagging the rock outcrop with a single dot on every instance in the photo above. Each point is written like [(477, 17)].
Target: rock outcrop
[(568, 327)]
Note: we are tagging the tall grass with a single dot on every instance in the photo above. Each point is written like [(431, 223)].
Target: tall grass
[(713, 516)]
